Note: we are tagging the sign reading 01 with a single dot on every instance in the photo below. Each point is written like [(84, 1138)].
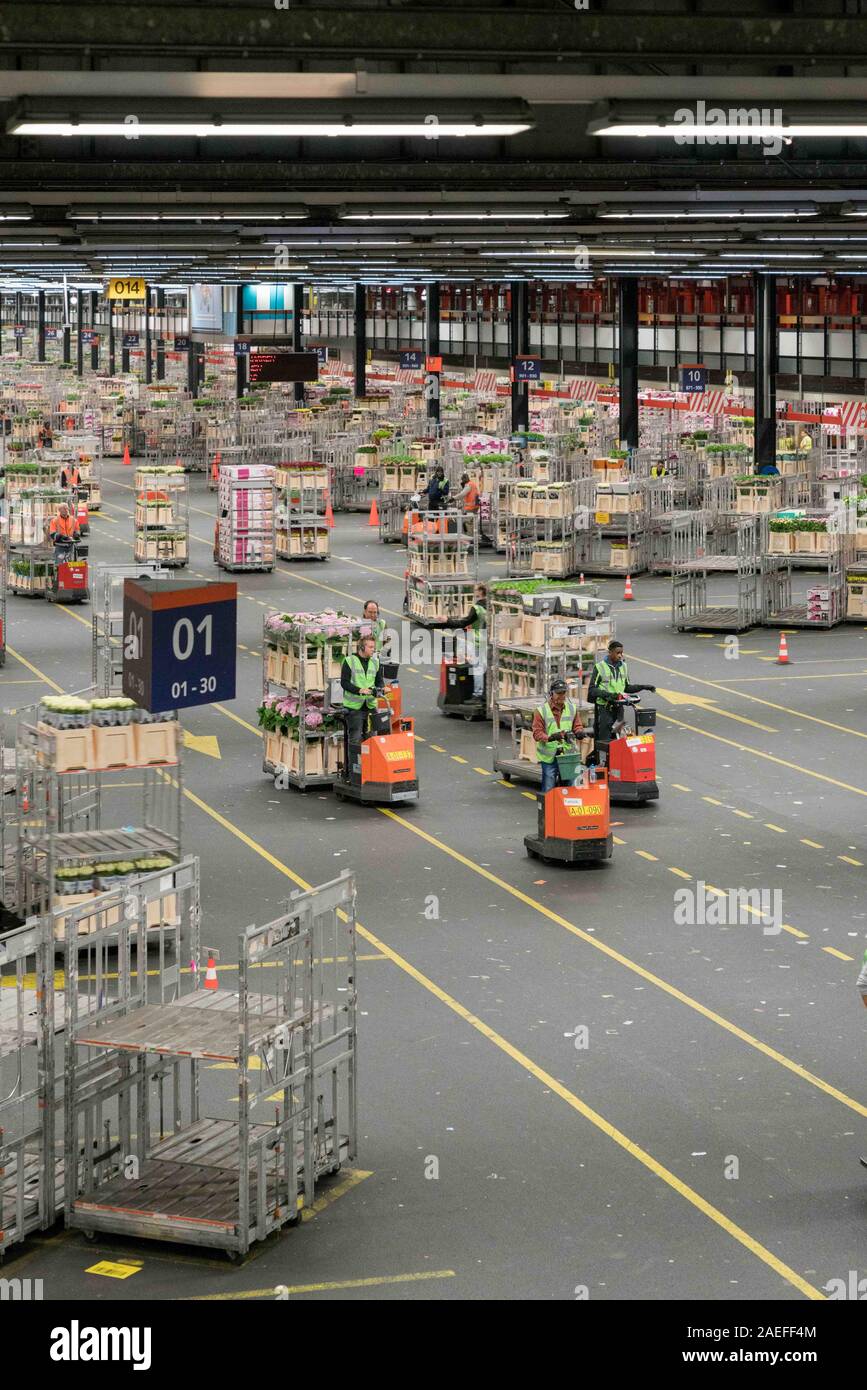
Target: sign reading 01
[(179, 639), (125, 287)]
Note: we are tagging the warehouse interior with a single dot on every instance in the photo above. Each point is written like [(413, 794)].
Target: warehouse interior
[(390, 395)]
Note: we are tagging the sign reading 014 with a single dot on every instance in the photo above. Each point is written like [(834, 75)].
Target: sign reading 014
[(125, 287), (179, 642)]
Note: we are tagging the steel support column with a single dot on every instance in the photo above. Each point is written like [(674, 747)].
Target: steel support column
[(765, 368), (298, 333), (79, 323), (40, 325), (360, 346), (627, 360), (161, 339), (519, 344), (149, 366), (432, 349), (94, 342)]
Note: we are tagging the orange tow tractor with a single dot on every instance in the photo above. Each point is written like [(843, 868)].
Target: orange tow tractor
[(632, 755), (381, 769), (574, 819)]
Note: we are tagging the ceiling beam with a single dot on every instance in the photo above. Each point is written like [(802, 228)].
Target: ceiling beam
[(456, 34)]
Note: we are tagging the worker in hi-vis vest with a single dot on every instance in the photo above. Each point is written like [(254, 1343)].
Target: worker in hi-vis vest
[(610, 680), (64, 530), (361, 681), (556, 725), (377, 624), (473, 648)]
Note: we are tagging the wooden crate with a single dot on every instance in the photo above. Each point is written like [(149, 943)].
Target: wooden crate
[(156, 743), (114, 746), (71, 749)]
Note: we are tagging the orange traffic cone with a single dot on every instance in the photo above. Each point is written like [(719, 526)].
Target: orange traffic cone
[(215, 467), (581, 577), (329, 514), (373, 519), (783, 654), (127, 461), (211, 975), (627, 592)]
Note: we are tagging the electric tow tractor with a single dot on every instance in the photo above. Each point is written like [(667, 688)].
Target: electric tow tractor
[(456, 698), (631, 758), (574, 818), (380, 769), (68, 574)]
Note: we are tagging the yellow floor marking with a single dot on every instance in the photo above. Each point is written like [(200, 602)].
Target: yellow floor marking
[(389, 574), (769, 825), (793, 931), (510, 786), (436, 748), (846, 860), (645, 854), (29, 680), (114, 1269), (677, 697), (832, 951), (680, 872), (35, 669), (632, 965), (742, 694), (532, 796), (712, 799), (238, 720), (414, 669), (769, 757), (350, 1178), (813, 844), (70, 613), (526, 1063), (202, 743), (616, 838), (483, 772), (679, 787), (745, 815), (824, 676), (720, 892), (418, 738), (287, 1290)]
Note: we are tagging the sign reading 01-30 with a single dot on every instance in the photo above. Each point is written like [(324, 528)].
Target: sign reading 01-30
[(125, 287), (179, 642)]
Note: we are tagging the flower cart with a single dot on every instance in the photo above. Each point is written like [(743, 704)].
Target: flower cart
[(162, 524), (246, 535), (302, 498)]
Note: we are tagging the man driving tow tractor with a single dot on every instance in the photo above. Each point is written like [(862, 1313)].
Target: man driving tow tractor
[(361, 680), (556, 724), (64, 530), (609, 681)]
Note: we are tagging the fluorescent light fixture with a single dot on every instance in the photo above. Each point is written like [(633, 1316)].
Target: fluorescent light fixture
[(183, 212), (707, 212), (414, 213), (365, 119), (734, 121), (16, 212), (770, 255)]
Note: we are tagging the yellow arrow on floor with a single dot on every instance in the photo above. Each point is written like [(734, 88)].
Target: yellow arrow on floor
[(202, 743), (677, 697)]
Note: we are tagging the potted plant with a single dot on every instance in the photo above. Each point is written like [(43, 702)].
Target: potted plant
[(112, 710), (65, 711)]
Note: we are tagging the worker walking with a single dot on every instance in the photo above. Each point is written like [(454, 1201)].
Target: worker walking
[(70, 476), (370, 613), (555, 723), (438, 490), (610, 680), (361, 682), (474, 649), (469, 494)]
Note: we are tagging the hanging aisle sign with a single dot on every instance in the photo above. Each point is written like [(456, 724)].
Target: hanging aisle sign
[(130, 340), (179, 640), (128, 287), (527, 369), (693, 377), (411, 360)]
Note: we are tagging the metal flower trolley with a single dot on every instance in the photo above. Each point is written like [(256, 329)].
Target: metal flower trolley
[(84, 825), (443, 565), (303, 653), (133, 1061), (162, 519)]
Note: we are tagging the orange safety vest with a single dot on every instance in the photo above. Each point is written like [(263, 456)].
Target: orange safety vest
[(471, 501), (73, 475), (63, 526)]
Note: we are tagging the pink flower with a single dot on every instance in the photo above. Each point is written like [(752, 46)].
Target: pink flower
[(313, 719)]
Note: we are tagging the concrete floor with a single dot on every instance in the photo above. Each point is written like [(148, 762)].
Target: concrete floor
[(559, 1169)]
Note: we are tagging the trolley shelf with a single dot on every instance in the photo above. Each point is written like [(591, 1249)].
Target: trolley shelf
[(204, 1025), (112, 844)]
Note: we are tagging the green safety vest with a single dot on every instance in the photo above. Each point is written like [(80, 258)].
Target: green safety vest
[(481, 619), (378, 631), (610, 681), (547, 751), (360, 677)]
